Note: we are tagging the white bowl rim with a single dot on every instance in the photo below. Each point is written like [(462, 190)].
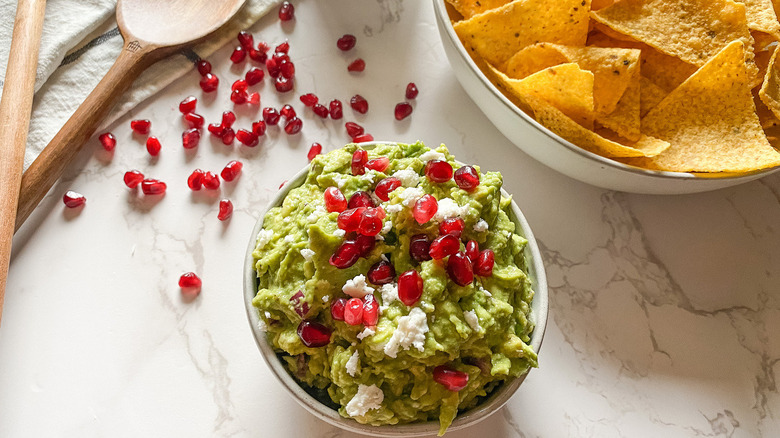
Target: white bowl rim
[(444, 21), (497, 400)]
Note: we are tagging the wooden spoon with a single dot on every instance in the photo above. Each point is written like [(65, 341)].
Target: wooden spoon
[(152, 30)]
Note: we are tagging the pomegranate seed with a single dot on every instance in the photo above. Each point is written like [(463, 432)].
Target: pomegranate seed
[(314, 150), (419, 247), (411, 90), (195, 180), (472, 250), (190, 280), (108, 141), (353, 311), (153, 146), (209, 82), (313, 334), (320, 110), (346, 255), (153, 187), (381, 212), (263, 46), (286, 11), (194, 120), (293, 126), (287, 69), (349, 220), (359, 158), (444, 246), (353, 129), (238, 55), (73, 199), (228, 118), (361, 199), (210, 180), (336, 111), (425, 208), (337, 309), (225, 210), (309, 99), (283, 84), (385, 187), (190, 138), (453, 226), (370, 311), (451, 379), (239, 97), (231, 170), (272, 65), (188, 104), (239, 85), (438, 171), (228, 135), (271, 116), (133, 178), (357, 65), (246, 39), (485, 262), (141, 126), (254, 99), (403, 110), (459, 269), (379, 164), (247, 138), (365, 244), (334, 200), (382, 272), (282, 48), (370, 222), (346, 42), (467, 178), (359, 104), (258, 128), (257, 55), (215, 130), (204, 67), (363, 138), (287, 112), (410, 287)]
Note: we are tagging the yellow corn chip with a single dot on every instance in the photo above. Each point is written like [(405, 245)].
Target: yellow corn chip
[(710, 121), (770, 90), (600, 4), (650, 95), (470, 8), (761, 17), (624, 120), (499, 33)]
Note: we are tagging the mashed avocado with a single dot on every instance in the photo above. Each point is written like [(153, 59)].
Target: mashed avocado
[(383, 374)]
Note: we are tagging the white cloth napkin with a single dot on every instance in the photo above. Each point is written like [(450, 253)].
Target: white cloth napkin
[(80, 42)]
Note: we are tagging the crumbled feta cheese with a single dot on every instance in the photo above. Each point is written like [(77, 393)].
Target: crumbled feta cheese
[(379, 237), (449, 208), (352, 364), (325, 298), (410, 332), (316, 214), (481, 226), (411, 195), (471, 318), (262, 326), (339, 180), (339, 232), (388, 225), (287, 219), (263, 237), (368, 176), (357, 287), (389, 293), (307, 254), (432, 155), (289, 238), (366, 333), (366, 399), (394, 208), (268, 314), (485, 291), (408, 177)]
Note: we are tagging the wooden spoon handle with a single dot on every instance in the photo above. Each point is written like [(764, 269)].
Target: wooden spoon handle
[(15, 110)]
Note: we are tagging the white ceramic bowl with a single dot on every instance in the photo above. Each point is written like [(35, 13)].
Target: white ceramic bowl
[(539, 307), (557, 153)]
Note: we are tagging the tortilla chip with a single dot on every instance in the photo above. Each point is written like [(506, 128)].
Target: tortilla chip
[(710, 121), (650, 95), (499, 33), (761, 17), (625, 119), (470, 8), (613, 68), (761, 40), (770, 90), (600, 4)]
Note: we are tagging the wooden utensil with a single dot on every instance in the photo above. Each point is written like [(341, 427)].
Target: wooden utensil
[(152, 30), (15, 108)]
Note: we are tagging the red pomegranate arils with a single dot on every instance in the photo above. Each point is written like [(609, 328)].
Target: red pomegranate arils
[(210, 180), (359, 104), (363, 138), (472, 250), (365, 244), (188, 104), (299, 303), (287, 69), (216, 130), (194, 120), (425, 208), (231, 170), (336, 111), (360, 199), (379, 164), (257, 55), (259, 128), (403, 110), (314, 150), (263, 46), (410, 287), (190, 138), (247, 138), (334, 200), (385, 187), (283, 84), (286, 11), (287, 112), (73, 199), (228, 135), (228, 118), (337, 309), (204, 67), (353, 129), (283, 48), (313, 334), (271, 116), (246, 39), (452, 380), (357, 65), (272, 65), (153, 146), (133, 178), (254, 99), (195, 180), (370, 311), (320, 110), (459, 269), (239, 97), (438, 171), (142, 126), (485, 262), (419, 247), (293, 126), (467, 178), (190, 280), (108, 141), (382, 272), (240, 85), (225, 210), (452, 225), (309, 99), (370, 223), (411, 90), (346, 255), (359, 158), (349, 220), (153, 187), (209, 82), (346, 42), (238, 55), (353, 311), (444, 246)]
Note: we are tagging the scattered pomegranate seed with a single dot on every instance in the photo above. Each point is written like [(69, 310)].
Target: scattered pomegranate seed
[(359, 104), (334, 200), (370, 311), (411, 90), (357, 65), (190, 138), (239, 97), (153, 146), (365, 244), (353, 129), (346, 42), (283, 84), (320, 110), (228, 135), (73, 199), (379, 164), (467, 178), (349, 220), (286, 11), (283, 48), (133, 178), (419, 247), (425, 208), (472, 250), (258, 128), (359, 158), (271, 116), (314, 150), (263, 46), (459, 269), (254, 99), (370, 222), (346, 255), (272, 66), (247, 138), (108, 141), (337, 309), (225, 210), (293, 126), (381, 212), (287, 112), (228, 118), (231, 170), (353, 311), (141, 126), (299, 304), (246, 39), (194, 120), (410, 287), (239, 85), (385, 187), (190, 280), (153, 187), (313, 334), (336, 111), (195, 180), (287, 69), (382, 272), (402, 110), (216, 130), (210, 180), (204, 67), (453, 226), (309, 99), (438, 171), (209, 82), (451, 379), (257, 56), (363, 138), (238, 55), (188, 105), (485, 262), (444, 246)]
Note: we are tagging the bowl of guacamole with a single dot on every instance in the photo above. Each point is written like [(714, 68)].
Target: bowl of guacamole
[(395, 291)]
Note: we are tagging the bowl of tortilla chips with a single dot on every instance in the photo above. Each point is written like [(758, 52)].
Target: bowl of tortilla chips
[(643, 96)]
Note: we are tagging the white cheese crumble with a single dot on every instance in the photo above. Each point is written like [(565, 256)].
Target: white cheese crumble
[(262, 326), (368, 176), (263, 237), (389, 293), (366, 333), (394, 208), (432, 155), (485, 291), (357, 287), (316, 214), (307, 254), (472, 320), (268, 314), (449, 208), (388, 225), (287, 219), (366, 399), (481, 226), (409, 333), (408, 177), (411, 195), (340, 181), (289, 238), (325, 298), (352, 364), (339, 232)]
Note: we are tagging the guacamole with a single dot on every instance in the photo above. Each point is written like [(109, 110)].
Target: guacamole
[(445, 351)]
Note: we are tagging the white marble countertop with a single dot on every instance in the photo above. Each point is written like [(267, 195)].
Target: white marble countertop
[(664, 311)]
